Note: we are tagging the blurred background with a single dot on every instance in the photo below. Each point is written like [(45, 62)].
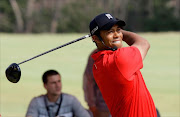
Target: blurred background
[(35, 16), (30, 27)]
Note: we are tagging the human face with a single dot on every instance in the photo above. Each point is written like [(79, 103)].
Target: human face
[(112, 37), (53, 85)]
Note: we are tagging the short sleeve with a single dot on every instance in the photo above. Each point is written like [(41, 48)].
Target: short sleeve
[(78, 109), (32, 109), (128, 61)]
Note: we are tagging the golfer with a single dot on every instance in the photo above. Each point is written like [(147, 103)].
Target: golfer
[(116, 69), (55, 103)]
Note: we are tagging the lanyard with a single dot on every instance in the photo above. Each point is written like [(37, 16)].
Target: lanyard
[(59, 105)]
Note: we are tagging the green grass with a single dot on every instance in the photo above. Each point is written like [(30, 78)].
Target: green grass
[(161, 69)]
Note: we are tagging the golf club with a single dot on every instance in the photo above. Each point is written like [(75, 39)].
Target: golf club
[(13, 72)]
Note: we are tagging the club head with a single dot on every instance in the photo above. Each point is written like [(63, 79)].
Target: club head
[(13, 73)]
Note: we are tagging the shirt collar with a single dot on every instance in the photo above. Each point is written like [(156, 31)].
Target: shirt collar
[(52, 103), (96, 55)]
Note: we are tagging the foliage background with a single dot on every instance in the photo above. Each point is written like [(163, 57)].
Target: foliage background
[(35, 16)]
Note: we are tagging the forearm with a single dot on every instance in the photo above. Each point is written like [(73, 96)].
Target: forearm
[(88, 87), (133, 39), (32, 108), (78, 109), (89, 83)]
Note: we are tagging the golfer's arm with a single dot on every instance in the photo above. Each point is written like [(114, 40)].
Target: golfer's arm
[(132, 39)]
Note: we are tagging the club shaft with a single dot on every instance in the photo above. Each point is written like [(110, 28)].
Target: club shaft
[(81, 38)]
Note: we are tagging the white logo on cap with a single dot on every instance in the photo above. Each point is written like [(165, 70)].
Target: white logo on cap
[(109, 16), (94, 30)]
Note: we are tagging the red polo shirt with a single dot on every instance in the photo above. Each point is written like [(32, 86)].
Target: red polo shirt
[(117, 73)]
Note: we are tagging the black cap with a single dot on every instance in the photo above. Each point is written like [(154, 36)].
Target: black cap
[(104, 21)]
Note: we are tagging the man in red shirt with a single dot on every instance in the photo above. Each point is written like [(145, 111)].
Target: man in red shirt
[(117, 69)]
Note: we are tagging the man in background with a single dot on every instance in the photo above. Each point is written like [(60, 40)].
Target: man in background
[(55, 103), (92, 94)]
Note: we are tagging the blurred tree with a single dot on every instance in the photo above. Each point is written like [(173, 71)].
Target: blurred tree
[(73, 16), (47, 14), (163, 19), (175, 4), (119, 8), (134, 15), (42, 19), (18, 15), (7, 19), (56, 15), (177, 8), (76, 16), (29, 16), (150, 8)]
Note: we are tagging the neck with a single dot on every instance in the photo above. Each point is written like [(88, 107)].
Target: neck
[(52, 98)]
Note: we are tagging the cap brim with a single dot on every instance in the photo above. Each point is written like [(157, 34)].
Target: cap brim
[(109, 25)]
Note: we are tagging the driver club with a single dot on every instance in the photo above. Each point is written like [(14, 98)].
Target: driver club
[(13, 72)]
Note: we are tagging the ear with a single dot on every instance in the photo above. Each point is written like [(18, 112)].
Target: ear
[(96, 39), (45, 86)]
